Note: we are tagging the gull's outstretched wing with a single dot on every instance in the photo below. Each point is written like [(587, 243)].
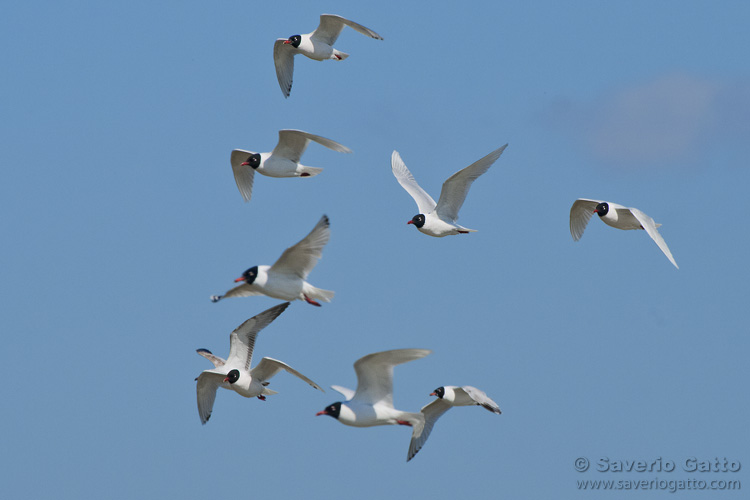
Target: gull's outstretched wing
[(375, 374), (425, 203), (242, 339), (283, 59), (330, 27), (580, 215), (292, 144), (244, 290), (432, 412), (456, 187), (650, 226), (208, 382), (481, 398), (346, 392), (268, 367), (216, 360), (299, 259), (243, 174)]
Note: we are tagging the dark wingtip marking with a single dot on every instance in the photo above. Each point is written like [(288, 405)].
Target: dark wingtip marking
[(203, 350), (492, 409), (216, 298)]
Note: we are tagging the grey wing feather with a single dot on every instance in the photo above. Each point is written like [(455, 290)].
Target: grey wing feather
[(300, 259), (362, 29), (283, 59), (456, 187), (375, 374), (330, 27), (292, 144), (208, 383), (425, 203), (432, 412), (243, 290), (268, 367), (243, 174), (346, 392), (481, 399), (242, 339), (650, 226), (580, 215), (216, 360)]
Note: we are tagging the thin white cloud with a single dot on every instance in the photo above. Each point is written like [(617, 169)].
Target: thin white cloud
[(663, 122)]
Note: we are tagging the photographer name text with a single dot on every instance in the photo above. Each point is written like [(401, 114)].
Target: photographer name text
[(659, 464)]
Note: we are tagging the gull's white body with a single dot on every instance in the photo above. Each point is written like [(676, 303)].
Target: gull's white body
[(283, 161), (317, 45), (273, 165), (359, 414), (280, 286), (617, 216), (251, 382), (440, 218), (372, 403), (286, 278)]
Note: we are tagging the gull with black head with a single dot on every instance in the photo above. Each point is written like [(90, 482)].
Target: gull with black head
[(372, 403), (234, 372), (286, 278), (283, 161), (449, 396), (317, 45), (617, 216), (439, 219)]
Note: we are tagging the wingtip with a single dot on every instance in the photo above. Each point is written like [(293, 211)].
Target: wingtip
[(215, 298)]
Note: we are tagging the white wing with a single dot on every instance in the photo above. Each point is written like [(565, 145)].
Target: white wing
[(456, 187), (268, 367), (347, 393), (580, 215), (283, 59), (650, 226), (425, 203), (243, 174), (244, 290), (481, 398), (298, 260), (208, 382), (292, 144), (375, 374), (242, 339), (216, 360), (330, 27), (432, 412)]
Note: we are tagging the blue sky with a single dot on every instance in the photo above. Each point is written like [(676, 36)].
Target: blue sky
[(121, 218)]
